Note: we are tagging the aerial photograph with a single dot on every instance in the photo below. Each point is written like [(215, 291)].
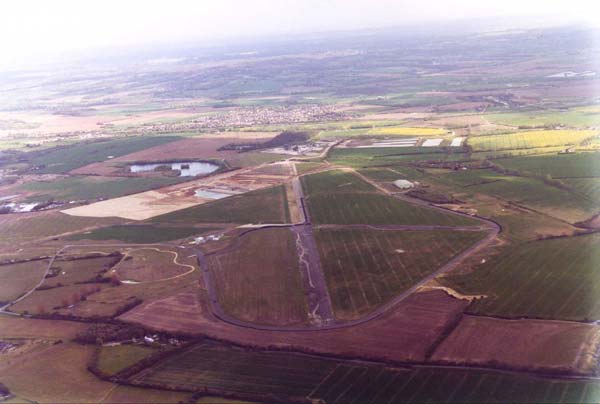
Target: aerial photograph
[(299, 201)]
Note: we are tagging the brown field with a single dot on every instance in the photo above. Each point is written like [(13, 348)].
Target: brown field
[(525, 344), (151, 265), (195, 148), (16, 279), (49, 300), (258, 287), (145, 205), (54, 373), (137, 395), (18, 327), (403, 334)]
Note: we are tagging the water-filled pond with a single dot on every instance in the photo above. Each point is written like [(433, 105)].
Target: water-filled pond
[(186, 168)]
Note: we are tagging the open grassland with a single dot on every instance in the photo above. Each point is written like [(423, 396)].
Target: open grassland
[(393, 156), (54, 373), (374, 384), (64, 159), (559, 346), (552, 279), (590, 187), (69, 282), (529, 139), (29, 328), (585, 164), (78, 188), (221, 368), (16, 279), (337, 197), (113, 359), (389, 174), (26, 227), (262, 287), (145, 233), (150, 265), (262, 206), (266, 290), (540, 195), (366, 268)]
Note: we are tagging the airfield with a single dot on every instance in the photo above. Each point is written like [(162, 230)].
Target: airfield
[(435, 245)]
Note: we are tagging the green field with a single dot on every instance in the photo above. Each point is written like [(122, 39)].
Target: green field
[(374, 384), (392, 156), (91, 187), (590, 187), (19, 227), (267, 205), (529, 139), (553, 279), (146, 233), (66, 158), (337, 197), (16, 279), (393, 173), (578, 117), (366, 268), (558, 165), (113, 359), (267, 376), (549, 198), (233, 370)]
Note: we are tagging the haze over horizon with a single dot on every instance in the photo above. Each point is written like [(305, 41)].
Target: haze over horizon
[(33, 29)]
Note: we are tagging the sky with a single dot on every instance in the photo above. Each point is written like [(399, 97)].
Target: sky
[(31, 29)]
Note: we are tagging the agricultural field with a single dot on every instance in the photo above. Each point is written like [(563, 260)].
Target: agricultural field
[(377, 385), (18, 278), (141, 265), (522, 344), (529, 139), (577, 117), (336, 197), (261, 206), (390, 174), (589, 187), (405, 131), (77, 188), (404, 334), (533, 193), (27, 227), (63, 159), (261, 288), (113, 359), (570, 165), (550, 279), (365, 269), (69, 281), (144, 233), (382, 157), (220, 368)]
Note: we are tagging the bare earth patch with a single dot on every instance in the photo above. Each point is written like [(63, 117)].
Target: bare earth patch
[(524, 344), (404, 334)]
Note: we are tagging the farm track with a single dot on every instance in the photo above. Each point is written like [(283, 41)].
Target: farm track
[(315, 276)]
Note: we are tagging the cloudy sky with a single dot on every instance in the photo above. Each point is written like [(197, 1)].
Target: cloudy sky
[(37, 28)]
